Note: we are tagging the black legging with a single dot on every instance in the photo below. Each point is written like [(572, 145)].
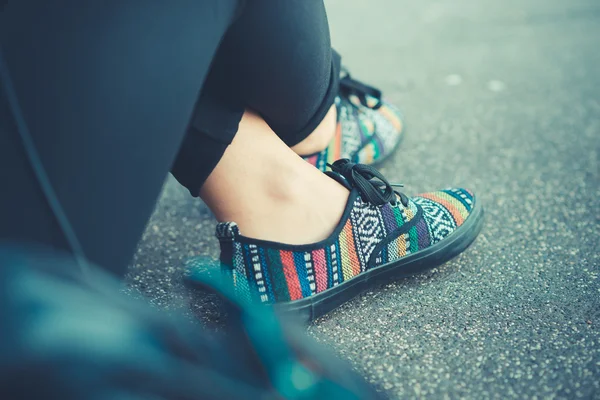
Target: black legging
[(276, 59), (106, 89)]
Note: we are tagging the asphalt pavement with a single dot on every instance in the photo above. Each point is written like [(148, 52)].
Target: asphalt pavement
[(502, 97)]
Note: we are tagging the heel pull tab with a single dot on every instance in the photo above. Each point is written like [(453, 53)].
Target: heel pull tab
[(227, 232)]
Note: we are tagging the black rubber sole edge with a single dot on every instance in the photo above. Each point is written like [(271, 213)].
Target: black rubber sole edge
[(313, 307)]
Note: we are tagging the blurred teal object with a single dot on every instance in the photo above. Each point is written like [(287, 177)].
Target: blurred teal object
[(287, 373), (67, 336)]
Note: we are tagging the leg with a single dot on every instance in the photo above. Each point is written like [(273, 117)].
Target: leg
[(269, 191), (277, 60), (107, 113), (292, 234), (260, 66)]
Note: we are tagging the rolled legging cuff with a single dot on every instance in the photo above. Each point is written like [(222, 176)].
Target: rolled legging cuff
[(292, 139), (212, 128), (198, 156)]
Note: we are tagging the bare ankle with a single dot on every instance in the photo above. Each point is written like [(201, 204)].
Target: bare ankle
[(301, 215), (270, 192), (320, 138)]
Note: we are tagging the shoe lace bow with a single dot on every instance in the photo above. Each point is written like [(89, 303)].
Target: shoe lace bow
[(370, 183), (350, 86)]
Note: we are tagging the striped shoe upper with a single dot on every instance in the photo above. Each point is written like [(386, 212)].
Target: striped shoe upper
[(363, 135), (368, 127), (368, 236)]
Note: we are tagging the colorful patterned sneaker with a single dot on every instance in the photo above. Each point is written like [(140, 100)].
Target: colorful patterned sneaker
[(368, 128), (383, 235)]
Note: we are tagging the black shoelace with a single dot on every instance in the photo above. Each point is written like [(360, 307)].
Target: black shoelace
[(370, 183), (350, 86)]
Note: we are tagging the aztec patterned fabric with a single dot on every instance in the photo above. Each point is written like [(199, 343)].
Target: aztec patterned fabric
[(367, 237), (363, 134)]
